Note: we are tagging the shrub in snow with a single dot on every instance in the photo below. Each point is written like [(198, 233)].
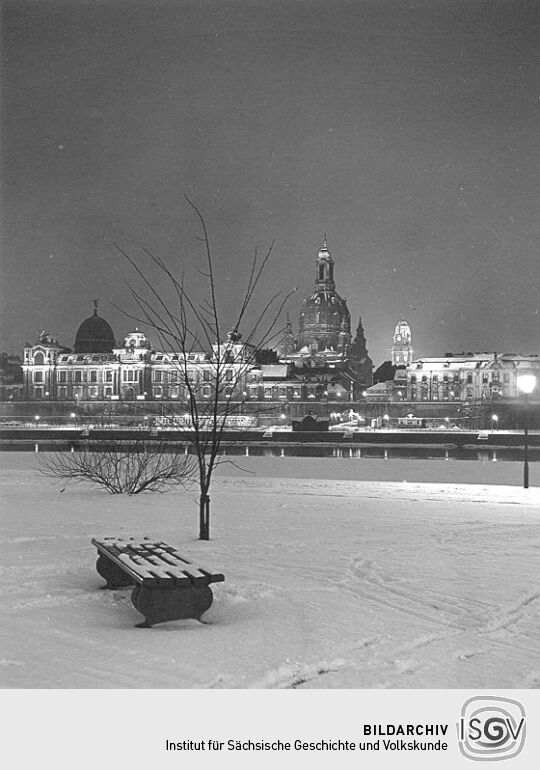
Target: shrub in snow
[(130, 468)]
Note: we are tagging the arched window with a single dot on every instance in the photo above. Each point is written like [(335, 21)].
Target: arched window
[(39, 359)]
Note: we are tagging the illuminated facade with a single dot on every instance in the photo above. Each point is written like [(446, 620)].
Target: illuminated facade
[(130, 372), (470, 377)]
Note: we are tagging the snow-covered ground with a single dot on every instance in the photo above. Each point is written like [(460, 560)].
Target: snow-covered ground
[(338, 574)]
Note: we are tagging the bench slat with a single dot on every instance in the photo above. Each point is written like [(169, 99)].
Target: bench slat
[(150, 561), (195, 571), (216, 576), (179, 569), (139, 569)]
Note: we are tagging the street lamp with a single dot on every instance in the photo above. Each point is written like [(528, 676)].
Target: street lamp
[(494, 421), (526, 384)]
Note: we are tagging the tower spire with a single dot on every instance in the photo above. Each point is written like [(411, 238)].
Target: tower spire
[(324, 280)]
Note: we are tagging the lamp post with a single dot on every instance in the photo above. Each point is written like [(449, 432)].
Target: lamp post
[(526, 384), (494, 421)]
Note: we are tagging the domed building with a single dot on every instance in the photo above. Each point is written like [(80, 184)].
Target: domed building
[(94, 335), (325, 321)]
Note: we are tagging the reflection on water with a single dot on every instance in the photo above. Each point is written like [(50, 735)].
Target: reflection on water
[(484, 454), (502, 454)]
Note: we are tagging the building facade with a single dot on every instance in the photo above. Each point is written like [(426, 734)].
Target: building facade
[(132, 371), (468, 377)]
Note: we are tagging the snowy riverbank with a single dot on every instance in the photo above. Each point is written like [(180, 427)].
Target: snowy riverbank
[(337, 575)]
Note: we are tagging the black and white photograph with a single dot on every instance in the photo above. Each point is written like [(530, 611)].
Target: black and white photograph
[(270, 373)]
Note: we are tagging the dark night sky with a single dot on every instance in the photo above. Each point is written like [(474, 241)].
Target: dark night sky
[(408, 131)]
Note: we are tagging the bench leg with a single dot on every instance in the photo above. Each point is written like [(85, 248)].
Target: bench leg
[(114, 576), (161, 604)]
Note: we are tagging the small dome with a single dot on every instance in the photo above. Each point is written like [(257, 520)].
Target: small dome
[(94, 335), (137, 339)]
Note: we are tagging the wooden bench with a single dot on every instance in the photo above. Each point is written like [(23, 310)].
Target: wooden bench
[(168, 586)]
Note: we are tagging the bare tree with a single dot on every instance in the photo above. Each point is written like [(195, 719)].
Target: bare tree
[(187, 327), (131, 468)]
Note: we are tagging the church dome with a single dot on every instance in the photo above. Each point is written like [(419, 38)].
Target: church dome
[(94, 335), (325, 322), (324, 307)]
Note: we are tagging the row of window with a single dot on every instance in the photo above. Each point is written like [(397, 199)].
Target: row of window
[(446, 395), (158, 375), (94, 392), (176, 391), (128, 375), (495, 377)]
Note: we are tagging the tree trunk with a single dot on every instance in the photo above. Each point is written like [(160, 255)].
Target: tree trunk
[(204, 517)]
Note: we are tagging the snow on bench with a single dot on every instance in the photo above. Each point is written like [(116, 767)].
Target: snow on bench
[(168, 586)]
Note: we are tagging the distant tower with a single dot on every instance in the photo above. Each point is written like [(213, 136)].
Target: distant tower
[(402, 349)]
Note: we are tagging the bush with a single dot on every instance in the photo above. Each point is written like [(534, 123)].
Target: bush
[(129, 469)]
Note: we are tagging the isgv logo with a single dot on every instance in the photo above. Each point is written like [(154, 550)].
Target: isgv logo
[(491, 728)]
